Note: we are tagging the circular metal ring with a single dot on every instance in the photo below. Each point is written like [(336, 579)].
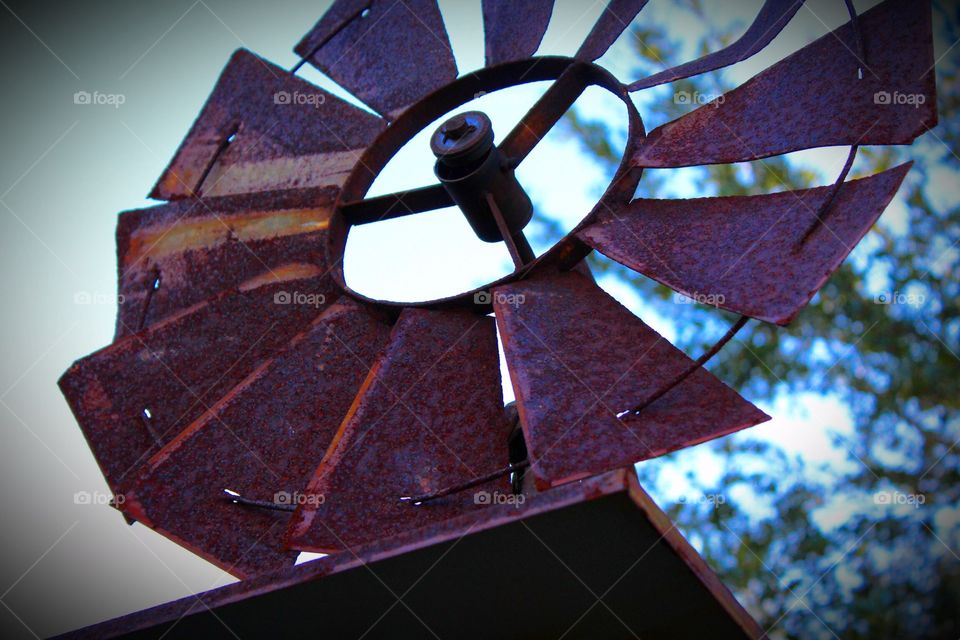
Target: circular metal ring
[(566, 253)]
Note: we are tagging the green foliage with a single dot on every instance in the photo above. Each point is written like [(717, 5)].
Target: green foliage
[(808, 550)]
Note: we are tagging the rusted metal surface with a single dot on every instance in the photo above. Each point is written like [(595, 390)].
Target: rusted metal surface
[(616, 17), (178, 254), (508, 470), (815, 98), (513, 29), (748, 254), (173, 371), (388, 53), (701, 360), (262, 440), (429, 415), (262, 129), (578, 359), (451, 575), (770, 21)]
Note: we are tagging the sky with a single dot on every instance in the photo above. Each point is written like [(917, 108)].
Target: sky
[(68, 169)]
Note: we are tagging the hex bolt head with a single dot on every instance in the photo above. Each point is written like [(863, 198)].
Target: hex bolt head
[(463, 139)]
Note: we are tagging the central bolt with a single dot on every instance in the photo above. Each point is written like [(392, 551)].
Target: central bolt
[(473, 172), (464, 139), (455, 128)]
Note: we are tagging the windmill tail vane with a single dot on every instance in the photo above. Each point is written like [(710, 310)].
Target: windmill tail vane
[(253, 406)]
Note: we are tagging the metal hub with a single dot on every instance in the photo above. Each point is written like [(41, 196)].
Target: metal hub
[(463, 139), (570, 78), (482, 184)]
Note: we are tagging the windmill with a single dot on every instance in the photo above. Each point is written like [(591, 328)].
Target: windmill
[(253, 406)]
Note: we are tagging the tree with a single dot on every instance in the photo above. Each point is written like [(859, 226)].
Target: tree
[(869, 548)]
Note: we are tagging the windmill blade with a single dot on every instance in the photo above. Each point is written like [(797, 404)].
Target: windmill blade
[(513, 29), (263, 128), (262, 440), (135, 395), (577, 359), (770, 21), (175, 255), (388, 53), (616, 17), (429, 415), (761, 256), (814, 98)]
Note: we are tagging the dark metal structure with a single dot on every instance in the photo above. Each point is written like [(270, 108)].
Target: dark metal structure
[(253, 406), (625, 572)]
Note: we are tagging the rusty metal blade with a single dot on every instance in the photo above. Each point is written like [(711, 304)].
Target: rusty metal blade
[(770, 21), (814, 97), (262, 440), (263, 128), (513, 29), (135, 395), (577, 359), (429, 415), (616, 17), (748, 254), (178, 254), (388, 53)]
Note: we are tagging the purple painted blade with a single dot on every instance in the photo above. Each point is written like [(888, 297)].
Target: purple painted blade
[(770, 21), (814, 98), (616, 17), (746, 253), (578, 358), (135, 395), (263, 129), (388, 53), (262, 440), (429, 416), (178, 254), (513, 29)]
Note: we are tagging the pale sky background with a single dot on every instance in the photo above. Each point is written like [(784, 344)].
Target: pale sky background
[(68, 169)]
